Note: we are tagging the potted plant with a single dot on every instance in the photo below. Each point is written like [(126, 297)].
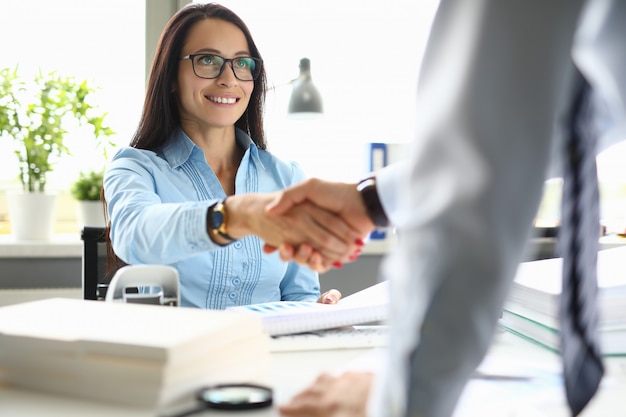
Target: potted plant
[(87, 190), (36, 121)]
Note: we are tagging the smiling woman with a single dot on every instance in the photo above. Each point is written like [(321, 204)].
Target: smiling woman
[(191, 189)]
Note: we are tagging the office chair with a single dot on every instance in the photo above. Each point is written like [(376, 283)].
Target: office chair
[(95, 279), (94, 285), (145, 284)]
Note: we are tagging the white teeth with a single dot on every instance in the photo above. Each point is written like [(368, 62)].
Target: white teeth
[(223, 100)]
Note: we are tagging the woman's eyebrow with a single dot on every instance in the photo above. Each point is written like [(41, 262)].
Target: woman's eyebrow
[(218, 52)]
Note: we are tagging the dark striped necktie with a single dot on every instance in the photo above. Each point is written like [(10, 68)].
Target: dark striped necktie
[(580, 227)]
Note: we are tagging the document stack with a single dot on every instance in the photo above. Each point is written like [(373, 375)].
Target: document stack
[(291, 317), (532, 308), (141, 355)]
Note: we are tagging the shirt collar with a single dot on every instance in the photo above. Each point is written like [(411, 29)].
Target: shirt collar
[(180, 148)]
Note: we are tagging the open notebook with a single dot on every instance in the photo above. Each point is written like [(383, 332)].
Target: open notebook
[(290, 317)]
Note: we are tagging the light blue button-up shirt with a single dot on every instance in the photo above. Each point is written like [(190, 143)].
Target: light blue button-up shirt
[(158, 201)]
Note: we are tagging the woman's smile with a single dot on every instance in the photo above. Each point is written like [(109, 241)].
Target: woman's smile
[(223, 99)]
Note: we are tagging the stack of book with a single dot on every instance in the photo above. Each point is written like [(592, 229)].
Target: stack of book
[(140, 355), (532, 309)]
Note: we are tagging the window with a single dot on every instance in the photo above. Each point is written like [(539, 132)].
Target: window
[(81, 39)]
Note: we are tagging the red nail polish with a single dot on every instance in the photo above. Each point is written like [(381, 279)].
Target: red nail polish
[(338, 265), (354, 257), (359, 242)]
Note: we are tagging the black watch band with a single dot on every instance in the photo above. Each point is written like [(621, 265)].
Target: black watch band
[(369, 194), (216, 224)]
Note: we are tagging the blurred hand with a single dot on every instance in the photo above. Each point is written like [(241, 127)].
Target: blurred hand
[(305, 225), (330, 297), (341, 199), (332, 396)]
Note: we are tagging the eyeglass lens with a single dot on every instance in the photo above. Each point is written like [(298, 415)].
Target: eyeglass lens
[(211, 66)]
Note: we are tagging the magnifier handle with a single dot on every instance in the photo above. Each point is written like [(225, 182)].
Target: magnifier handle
[(197, 409)]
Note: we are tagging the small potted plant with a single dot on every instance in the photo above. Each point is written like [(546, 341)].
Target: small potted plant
[(36, 120), (86, 190)]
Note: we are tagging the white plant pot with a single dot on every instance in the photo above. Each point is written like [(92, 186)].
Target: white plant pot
[(90, 213), (31, 215)]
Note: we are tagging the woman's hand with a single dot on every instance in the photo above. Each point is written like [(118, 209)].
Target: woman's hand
[(330, 297)]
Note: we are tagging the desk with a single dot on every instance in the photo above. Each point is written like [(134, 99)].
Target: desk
[(293, 371)]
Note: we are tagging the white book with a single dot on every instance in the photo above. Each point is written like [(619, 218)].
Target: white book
[(290, 317), (537, 287), (532, 307), (130, 372), (146, 332), (143, 355), (612, 339)]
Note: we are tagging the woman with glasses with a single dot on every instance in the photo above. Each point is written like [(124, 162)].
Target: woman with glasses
[(192, 187)]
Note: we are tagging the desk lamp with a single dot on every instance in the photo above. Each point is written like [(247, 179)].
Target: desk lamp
[(306, 101)]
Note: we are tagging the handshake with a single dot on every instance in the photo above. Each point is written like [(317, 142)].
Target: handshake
[(316, 223)]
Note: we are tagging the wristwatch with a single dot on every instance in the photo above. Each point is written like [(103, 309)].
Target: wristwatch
[(216, 224), (369, 194)]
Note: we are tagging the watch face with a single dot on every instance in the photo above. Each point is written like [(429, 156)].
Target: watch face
[(216, 220)]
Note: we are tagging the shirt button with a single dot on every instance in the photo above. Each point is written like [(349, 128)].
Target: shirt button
[(238, 245), (232, 295), (236, 281)]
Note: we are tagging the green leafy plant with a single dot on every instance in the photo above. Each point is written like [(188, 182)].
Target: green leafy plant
[(38, 122), (88, 186)]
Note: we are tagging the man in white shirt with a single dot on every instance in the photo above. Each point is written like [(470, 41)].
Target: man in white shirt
[(496, 81)]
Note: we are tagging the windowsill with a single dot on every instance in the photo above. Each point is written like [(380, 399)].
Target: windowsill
[(60, 246)]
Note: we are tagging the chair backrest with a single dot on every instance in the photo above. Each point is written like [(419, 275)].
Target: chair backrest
[(94, 287), (145, 284), (96, 278)]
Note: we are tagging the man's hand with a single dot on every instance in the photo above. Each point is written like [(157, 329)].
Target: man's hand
[(332, 396)]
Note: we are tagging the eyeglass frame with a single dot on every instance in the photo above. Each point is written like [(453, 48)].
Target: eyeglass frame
[(257, 61)]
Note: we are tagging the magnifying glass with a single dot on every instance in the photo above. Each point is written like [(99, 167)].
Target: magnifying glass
[(231, 397), (236, 396)]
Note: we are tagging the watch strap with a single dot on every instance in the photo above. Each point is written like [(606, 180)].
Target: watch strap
[(369, 194)]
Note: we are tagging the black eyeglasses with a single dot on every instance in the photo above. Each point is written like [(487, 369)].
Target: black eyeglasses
[(211, 66)]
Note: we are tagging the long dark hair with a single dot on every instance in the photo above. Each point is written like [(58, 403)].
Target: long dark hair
[(160, 115)]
